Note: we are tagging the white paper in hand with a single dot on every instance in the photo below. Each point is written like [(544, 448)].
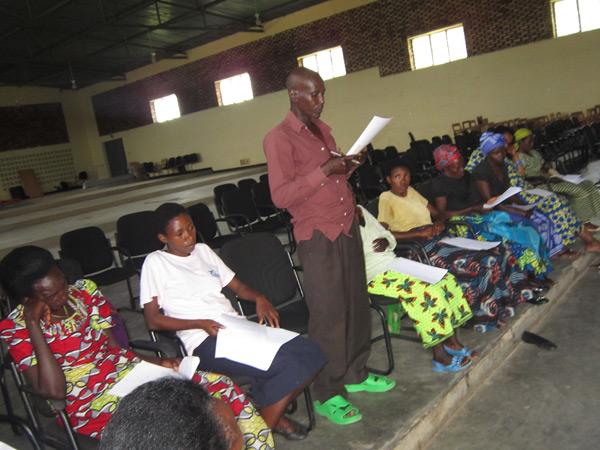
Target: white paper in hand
[(375, 126), (423, 272), (145, 372), (507, 194)]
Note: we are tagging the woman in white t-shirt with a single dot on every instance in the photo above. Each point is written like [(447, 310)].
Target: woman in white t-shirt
[(185, 280)]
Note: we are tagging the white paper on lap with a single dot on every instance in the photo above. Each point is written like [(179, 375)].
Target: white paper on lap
[(470, 244), (248, 342)]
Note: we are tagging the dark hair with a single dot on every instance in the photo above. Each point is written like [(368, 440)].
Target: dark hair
[(22, 268), (392, 164), (167, 212), (501, 129), (163, 414)]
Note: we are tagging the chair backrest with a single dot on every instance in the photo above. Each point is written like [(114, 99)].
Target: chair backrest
[(426, 190), (218, 193), (246, 184), (137, 233), (264, 178), (238, 202), (89, 247), (261, 194), (391, 152), (260, 261), (71, 268), (203, 220)]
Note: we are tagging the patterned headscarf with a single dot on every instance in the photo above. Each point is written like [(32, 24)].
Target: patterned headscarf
[(521, 134), (489, 141), (444, 155)]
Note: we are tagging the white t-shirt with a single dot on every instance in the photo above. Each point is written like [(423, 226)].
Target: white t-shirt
[(187, 287)]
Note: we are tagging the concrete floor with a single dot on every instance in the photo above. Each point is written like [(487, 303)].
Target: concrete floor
[(513, 377)]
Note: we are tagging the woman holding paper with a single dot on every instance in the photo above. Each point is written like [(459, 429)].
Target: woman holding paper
[(584, 197), (180, 290), (60, 337), (494, 175), (437, 309), (565, 223), (491, 279), (451, 193)]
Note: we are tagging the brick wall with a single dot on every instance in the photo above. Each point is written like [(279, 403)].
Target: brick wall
[(374, 35), (35, 125)]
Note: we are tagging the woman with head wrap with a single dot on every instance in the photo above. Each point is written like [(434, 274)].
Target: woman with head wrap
[(584, 197), (451, 193), (491, 280), (493, 175)]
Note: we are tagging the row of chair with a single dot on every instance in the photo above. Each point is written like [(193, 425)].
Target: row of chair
[(259, 260), (178, 163), (248, 208)]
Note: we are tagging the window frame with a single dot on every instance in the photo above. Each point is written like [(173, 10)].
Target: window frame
[(430, 33), (554, 22), (220, 95), (328, 50), (153, 108)]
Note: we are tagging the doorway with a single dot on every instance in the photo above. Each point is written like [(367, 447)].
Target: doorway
[(117, 161)]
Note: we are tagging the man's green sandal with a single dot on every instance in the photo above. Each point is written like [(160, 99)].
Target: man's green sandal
[(373, 383), (336, 408)]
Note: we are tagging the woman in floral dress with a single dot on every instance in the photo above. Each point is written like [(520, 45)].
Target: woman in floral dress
[(60, 337)]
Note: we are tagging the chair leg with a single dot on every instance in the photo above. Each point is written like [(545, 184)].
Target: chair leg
[(20, 424), (388, 342), (131, 297), (310, 408)]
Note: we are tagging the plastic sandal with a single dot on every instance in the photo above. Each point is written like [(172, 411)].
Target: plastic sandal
[(454, 366), (336, 408), (464, 352), (373, 383)]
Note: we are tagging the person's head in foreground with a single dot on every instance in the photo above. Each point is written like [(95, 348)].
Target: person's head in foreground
[(449, 161), (171, 413), (493, 146)]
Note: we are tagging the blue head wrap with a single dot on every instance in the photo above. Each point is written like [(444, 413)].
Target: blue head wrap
[(489, 141)]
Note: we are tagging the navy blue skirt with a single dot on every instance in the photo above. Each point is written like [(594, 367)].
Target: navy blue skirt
[(295, 362)]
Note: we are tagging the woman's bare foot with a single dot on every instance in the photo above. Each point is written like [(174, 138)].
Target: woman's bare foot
[(593, 247)]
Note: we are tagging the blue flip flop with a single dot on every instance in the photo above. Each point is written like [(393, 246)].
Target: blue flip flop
[(464, 352), (454, 366)]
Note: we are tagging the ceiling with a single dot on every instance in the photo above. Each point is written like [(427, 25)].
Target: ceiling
[(71, 44)]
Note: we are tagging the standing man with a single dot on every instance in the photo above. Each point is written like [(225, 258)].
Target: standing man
[(308, 177)]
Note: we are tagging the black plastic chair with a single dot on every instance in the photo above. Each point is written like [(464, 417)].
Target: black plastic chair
[(93, 251), (136, 237), (245, 185), (218, 193), (260, 261), (242, 216), (207, 226)]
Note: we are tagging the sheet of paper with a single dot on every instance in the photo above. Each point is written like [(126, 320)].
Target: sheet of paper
[(145, 372), (507, 194), (250, 343), (375, 126), (575, 179), (540, 192), (522, 207), (423, 272), (471, 244)]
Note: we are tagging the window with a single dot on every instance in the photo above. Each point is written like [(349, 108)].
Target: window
[(328, 63), (165, 108), (234, 90), (574, 16), (438, 47)]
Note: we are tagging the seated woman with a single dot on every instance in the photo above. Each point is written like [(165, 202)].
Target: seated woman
[(491, 280), (436, 310), (566, 226), (492, 177), (185, 281), (60, 337), (584, 198), (453, 198)]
